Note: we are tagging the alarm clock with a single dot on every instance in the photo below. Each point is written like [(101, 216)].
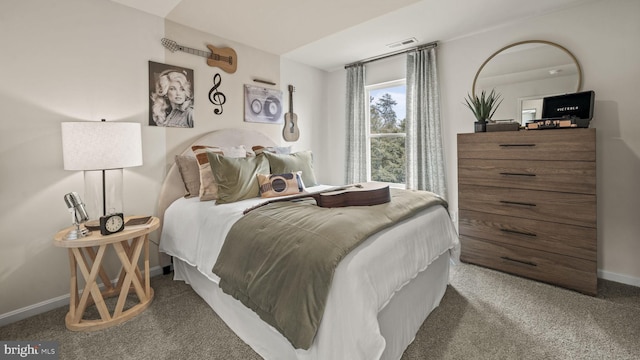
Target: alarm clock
[(111, 223)]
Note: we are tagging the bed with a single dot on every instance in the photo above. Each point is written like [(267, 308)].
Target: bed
[(381, 292)]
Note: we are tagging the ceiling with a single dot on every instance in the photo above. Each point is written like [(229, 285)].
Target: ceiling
[(328, 34)]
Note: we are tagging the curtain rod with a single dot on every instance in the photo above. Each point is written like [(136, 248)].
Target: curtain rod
[(384, 56)]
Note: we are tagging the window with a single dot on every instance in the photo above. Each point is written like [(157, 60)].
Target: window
[(386, 132)]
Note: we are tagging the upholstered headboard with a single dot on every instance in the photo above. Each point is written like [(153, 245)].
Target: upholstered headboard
[(173, 186)]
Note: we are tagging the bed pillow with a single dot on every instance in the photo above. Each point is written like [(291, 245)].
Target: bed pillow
[(237, 177), (299, 161), (280, 184), (190, 173), (208, 187), (259, 149)]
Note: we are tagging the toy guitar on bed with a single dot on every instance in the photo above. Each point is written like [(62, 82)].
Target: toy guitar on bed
[(224, 58), (364, 194)]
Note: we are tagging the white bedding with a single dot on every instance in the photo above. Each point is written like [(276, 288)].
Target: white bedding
[(364, 282)]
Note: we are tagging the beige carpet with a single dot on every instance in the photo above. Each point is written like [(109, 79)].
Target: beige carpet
[(484, 315)]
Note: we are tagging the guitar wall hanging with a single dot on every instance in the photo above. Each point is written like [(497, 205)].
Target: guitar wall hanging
[(290, 132), (223, 58)]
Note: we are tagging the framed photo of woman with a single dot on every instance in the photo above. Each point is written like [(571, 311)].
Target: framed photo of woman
[(171, 96)]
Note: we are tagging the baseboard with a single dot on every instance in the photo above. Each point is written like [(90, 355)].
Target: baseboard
[(44, 306), (620, 278)]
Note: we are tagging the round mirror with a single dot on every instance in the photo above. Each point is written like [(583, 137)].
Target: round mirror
[(524, 73)]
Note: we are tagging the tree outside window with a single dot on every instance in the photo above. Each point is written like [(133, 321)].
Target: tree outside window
[(386, 132)]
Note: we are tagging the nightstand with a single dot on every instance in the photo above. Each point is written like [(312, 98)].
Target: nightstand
[(86, 255)]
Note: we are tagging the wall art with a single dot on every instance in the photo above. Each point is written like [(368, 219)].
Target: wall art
[(216, 97), (171, 95), (262, 105)]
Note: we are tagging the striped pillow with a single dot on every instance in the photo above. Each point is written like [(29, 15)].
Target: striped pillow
[(208, 186), (190, 173)]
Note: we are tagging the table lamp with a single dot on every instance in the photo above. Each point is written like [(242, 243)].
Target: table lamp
[(101, 149)]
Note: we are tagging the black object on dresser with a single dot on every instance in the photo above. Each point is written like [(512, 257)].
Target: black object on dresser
[(527, 203)]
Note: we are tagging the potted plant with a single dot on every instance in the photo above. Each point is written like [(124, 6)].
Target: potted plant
[(483, 107)]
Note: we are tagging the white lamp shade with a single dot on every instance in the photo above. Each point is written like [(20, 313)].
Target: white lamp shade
[(101, 145)]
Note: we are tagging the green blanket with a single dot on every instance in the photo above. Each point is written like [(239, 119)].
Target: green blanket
[(279, 259)]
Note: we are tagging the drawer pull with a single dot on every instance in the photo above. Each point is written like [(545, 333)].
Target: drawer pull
[(516, 174), (517, 145), (516, 203), (518, 232), (518, 261)]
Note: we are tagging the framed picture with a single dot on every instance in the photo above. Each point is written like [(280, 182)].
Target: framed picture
[(263, 105), (170, 95)]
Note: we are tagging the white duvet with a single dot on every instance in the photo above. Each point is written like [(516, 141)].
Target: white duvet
[(364, 282)]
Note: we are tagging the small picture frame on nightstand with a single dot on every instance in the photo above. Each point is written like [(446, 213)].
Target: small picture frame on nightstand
[(144, 220)]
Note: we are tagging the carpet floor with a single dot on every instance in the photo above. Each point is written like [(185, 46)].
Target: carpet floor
[(484, 314)]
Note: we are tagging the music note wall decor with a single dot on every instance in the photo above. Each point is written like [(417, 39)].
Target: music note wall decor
[(216, 97)]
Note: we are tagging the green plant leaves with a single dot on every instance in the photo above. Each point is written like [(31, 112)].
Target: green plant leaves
[(484, 106)]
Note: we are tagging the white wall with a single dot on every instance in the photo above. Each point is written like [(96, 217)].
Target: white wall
[(308, 98), (79, 60), (310, 105), (252, 63), (603, 35), (64, 61)]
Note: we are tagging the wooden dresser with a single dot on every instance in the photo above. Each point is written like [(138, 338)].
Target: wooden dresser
[(527, 202)]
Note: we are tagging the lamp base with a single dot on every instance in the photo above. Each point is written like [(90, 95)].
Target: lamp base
[(78, 233), (96, 204)]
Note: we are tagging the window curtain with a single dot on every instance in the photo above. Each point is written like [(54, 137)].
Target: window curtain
[(425, 159), (356, 125)]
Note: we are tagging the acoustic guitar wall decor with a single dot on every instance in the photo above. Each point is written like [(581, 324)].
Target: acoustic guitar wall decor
[(223, 58), (290, 132)]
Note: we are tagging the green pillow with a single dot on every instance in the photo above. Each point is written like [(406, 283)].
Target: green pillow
[(291, 163), (236, 177)]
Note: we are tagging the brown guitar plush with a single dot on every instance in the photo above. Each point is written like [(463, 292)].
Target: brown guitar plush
[(290, 131), (364, 194), (223, 58)]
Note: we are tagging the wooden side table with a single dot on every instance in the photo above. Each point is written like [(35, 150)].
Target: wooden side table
[(87, 254)]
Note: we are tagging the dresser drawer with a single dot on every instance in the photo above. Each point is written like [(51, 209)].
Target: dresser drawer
[(564, 176), (557, 207), (570, 272), (554, 145), (562, 239)]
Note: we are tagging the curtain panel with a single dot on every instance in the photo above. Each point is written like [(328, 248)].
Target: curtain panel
[(356, 125), (425, 159)]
